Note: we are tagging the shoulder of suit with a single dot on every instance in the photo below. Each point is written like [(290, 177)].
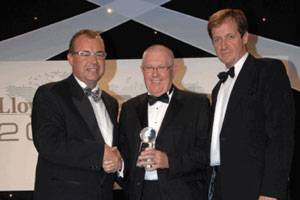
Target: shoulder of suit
[(52, 85), (273, 67), (58, 87), (134, 101), (137, 98), (110, 97), (269, 63), (192, 95), (266, 69)]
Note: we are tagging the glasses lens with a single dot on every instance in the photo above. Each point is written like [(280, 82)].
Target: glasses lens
[(159, 68), (100, 54), (84, 53)]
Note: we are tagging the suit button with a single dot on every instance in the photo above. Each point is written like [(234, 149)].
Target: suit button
[(138, 183), (223, 139)]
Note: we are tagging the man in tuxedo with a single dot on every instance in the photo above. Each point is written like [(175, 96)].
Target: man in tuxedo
[(74, 127), (252, 130), (174, 169)]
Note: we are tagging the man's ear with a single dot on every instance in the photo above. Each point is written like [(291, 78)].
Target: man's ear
[(245, 38), (70, 59), (175, 69)]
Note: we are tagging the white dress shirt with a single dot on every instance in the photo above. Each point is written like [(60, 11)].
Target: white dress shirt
[(102, 116), (156, 113), (220, 110)]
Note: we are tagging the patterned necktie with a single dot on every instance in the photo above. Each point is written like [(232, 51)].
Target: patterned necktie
[(224, 75), (96, 95)]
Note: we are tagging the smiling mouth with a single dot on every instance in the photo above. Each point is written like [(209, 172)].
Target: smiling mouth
[(155, 81), (91, 69), (226, 54)]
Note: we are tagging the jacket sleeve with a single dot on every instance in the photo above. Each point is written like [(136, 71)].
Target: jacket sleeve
[(53, 140), (279, 128), (192, 162)]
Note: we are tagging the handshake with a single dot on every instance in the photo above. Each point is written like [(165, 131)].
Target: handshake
[(112, 159)]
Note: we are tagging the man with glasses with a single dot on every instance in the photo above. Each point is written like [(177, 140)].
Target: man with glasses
[(74, 127), (174, 168)]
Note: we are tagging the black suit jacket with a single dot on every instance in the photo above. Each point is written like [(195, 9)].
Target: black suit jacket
[(69, 142), (183, 136), (256, 139)]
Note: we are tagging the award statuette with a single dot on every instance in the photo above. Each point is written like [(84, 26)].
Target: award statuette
[(148, 137)]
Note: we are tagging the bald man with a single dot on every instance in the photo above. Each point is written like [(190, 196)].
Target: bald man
[(174, 168)]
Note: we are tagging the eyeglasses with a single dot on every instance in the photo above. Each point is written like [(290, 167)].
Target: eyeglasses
[(86, 54), (160, 69)]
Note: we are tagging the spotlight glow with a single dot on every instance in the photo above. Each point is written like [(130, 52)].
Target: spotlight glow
[(109, 10)]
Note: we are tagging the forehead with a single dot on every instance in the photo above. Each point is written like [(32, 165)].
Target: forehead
[(156, 57), (228, 25), (84, 41)]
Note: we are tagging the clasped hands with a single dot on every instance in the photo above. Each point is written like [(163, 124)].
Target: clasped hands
[(153, 159), (112, 159), (266, 198)]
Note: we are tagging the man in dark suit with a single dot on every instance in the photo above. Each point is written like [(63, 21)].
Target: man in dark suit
[(174, 168), (74, 126), (252, 129)]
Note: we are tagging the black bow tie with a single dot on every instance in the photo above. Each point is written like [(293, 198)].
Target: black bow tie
[(224, 75), (163, 98), (96, 95)]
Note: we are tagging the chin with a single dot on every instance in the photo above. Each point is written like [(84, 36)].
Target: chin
[(155, 92)]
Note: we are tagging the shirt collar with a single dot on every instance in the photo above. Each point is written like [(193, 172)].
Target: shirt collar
[(239, 64), (169, 93), (83, 85)]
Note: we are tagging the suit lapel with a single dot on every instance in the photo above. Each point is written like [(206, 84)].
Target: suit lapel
[(240, 87), (111, 112), (171, 113), (142, 111), (214, 95), (84, 107), (142, 114)]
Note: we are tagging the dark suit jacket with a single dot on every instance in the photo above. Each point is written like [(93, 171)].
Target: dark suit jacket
[(256, 139), (183, 136), (69, 143)]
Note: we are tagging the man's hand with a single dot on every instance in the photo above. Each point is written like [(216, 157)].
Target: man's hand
[(153, 159), (112, 160), (266, 198)]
